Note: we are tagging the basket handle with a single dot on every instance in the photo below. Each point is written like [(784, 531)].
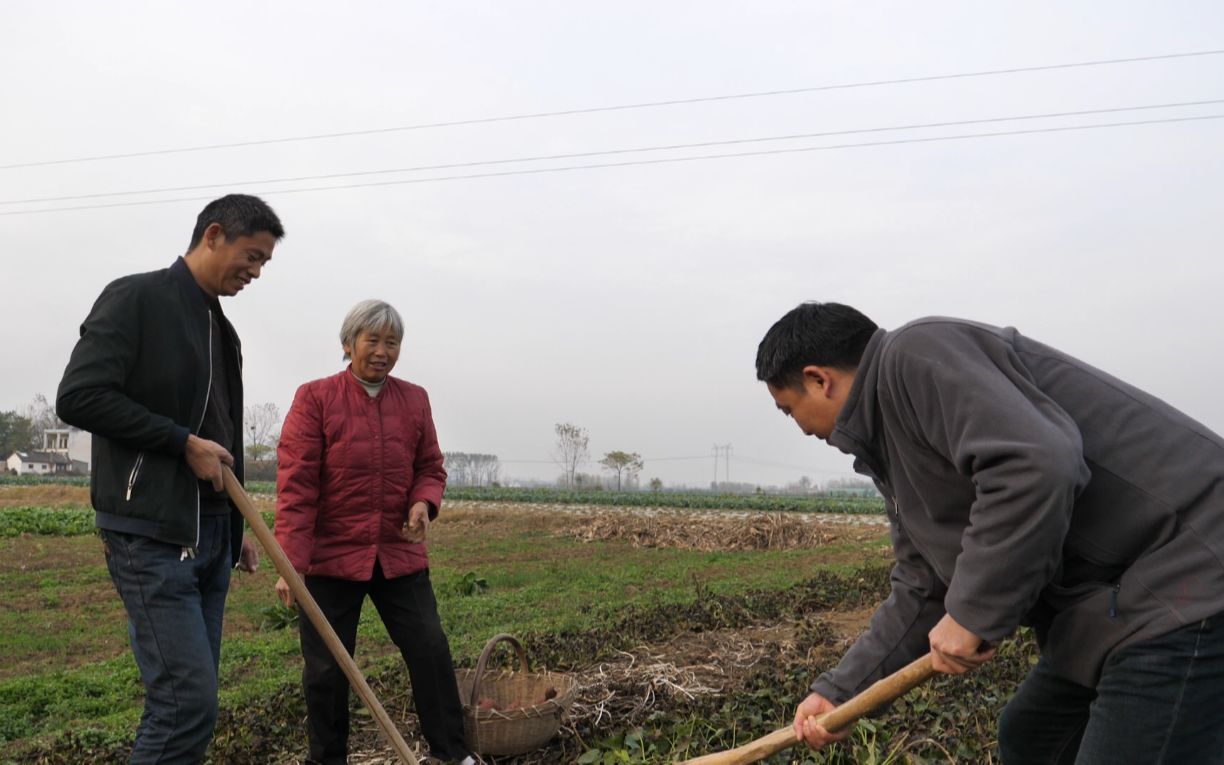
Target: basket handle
[(483, 662)]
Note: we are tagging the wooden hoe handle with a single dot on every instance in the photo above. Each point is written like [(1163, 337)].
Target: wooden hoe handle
[(881, 692), (308, 605)]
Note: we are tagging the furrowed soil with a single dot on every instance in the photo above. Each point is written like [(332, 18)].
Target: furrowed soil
[(44, 495), (687, 632)]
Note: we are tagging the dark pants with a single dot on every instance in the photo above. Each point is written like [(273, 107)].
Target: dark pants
[(1158, 702), (410, 613), (175, 605)]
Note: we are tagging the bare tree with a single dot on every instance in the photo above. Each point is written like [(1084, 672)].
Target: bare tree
[(42, 417), (622, 463), (262, 425), (803, 486), (571, 450), (458, 468), (850, 486), (486, 469), (467, 469)]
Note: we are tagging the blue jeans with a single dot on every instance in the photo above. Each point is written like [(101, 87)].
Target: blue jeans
[(1158, 702), (175, 605)]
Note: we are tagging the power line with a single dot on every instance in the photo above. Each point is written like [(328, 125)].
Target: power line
[(588, 462), (614, 108), (633, 163), (785, 466), (720, 452), (675, 459), (725, 451), (612, 152)]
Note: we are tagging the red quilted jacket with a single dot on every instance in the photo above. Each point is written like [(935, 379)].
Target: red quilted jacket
[(349, 467)]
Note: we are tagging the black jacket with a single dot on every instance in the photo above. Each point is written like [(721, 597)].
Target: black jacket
[(139, 380)]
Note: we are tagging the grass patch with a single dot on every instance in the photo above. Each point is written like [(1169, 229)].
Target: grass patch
[(69, 690), (81, 687)]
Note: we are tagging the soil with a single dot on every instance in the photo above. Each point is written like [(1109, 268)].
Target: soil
[(655, 678), (44, 495), (680, 528)]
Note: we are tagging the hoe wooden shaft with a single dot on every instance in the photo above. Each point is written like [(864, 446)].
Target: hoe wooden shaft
[(883, 691), (308, 606)]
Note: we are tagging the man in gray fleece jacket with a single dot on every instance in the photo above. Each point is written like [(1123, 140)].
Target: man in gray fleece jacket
[(1024, 487)]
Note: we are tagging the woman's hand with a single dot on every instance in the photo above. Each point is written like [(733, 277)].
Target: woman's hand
[(248, 559), (284, 593), (418, 523)]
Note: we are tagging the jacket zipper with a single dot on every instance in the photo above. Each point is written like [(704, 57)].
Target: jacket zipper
[(132, 476), (203, 413), (1113, 601)]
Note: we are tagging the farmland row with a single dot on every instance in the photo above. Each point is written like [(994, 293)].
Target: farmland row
[(686, 500)]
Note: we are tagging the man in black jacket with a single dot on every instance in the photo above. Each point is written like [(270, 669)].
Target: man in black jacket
[(156, 377), (1024, 486)]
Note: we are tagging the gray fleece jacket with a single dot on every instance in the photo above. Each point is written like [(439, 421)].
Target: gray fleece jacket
[(1026, 487)]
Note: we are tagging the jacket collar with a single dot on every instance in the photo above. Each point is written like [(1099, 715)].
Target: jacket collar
[(187, 283), (857, 430), (192, 290), (352, 383)]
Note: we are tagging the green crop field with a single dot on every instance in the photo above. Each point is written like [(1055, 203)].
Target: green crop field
[(678, 651)]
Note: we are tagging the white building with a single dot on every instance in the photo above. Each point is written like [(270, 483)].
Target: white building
[(38, 463), (66, 451), (74, 443)]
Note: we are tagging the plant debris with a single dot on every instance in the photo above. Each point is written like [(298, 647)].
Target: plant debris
[(723, 531)]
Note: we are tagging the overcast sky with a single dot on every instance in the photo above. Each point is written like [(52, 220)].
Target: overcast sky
[(627, 300)]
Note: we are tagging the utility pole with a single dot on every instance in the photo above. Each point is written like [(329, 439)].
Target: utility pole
[(725, 451)]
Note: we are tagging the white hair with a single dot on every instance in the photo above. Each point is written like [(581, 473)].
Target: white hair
[(369, 316)]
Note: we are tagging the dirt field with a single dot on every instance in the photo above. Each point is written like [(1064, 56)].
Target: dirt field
[(657, 677), (698, 659)]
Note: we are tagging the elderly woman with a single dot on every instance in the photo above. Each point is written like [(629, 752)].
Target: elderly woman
[(359, 479)]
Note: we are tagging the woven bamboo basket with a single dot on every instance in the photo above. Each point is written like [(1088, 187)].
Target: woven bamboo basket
[(523, 719)]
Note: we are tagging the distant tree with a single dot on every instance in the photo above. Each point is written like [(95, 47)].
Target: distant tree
[(803, 486), (456, 464), (571, 449), (579, 481), (42, 417), (262, 424), (469, 469), (587, 481), (728, 487), (850, 486), (622, 463), (16, 434), (656, 484), (487, 469)]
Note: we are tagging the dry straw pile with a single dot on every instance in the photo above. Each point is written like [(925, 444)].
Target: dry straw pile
[(692, 531)]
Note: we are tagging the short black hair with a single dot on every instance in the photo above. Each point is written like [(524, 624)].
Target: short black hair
[(812, 334), (238, 215)]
